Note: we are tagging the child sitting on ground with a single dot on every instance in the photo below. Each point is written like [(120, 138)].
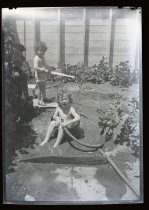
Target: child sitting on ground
[(65, 115), (42, 71)]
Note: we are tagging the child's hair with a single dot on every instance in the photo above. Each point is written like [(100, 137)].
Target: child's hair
[(41, 46), (63, 92)]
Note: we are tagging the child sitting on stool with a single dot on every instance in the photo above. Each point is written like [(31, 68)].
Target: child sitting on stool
[(65, 115)]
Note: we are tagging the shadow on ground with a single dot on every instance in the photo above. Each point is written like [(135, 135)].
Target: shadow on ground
[(86, 160), (25, 137), (114, 185)]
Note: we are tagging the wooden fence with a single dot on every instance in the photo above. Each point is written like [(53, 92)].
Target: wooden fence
[(80, 35)]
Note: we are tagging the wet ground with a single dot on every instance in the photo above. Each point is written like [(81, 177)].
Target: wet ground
[(72, 172)]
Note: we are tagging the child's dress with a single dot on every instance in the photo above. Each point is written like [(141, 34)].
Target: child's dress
[(40, 76)]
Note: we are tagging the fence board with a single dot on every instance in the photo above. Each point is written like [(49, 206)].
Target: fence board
[(52, 50), (126, 29), (20, 29), (29, 26), (73, 29), (74, 22), (49, 36), (97, 14), (98, 22), (122, 44), (29, 43), (97, 29), (98, 50), (72, 36), (49, 29), (98, 36), (122, 37), (98, 43), (48, 23), (29, 35), (124, 21), (74, 50), (73, 59), (72, 13), (72, 43)]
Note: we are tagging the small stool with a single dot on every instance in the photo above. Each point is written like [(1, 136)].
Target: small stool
[(32, 87)]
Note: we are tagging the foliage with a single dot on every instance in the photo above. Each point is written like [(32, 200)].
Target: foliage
[(100, 73), (16, 73), (94, 74), (120, 123), (121, 75)]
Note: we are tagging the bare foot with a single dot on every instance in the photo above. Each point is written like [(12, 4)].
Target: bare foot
[(42, 143), (55, 145)]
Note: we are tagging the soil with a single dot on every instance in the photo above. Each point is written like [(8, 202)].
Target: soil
[(46, 174)]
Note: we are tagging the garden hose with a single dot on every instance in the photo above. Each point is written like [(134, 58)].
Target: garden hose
[(84, 144)]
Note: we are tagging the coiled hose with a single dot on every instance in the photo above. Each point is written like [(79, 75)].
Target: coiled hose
[(84, 144)]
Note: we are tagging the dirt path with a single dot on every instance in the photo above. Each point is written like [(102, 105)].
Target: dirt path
[(48, 174)]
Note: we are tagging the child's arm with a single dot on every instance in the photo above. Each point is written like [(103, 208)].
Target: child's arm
[(56, 114), (46, 66), (75, 119)]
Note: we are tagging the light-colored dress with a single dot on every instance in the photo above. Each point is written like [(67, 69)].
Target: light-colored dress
[(40, 76)]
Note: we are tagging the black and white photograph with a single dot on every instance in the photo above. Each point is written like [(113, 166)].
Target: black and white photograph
[(72, 86)]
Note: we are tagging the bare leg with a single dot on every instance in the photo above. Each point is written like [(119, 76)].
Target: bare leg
[(33, 91), (44, 90), (50, 130), (59, 137), (39, 92)]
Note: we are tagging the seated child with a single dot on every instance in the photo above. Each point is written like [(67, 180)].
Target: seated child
[(65, 115)]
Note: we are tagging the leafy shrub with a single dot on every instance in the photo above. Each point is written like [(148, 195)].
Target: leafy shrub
[(121, 123), (102, 71), (94, 74), (122, 74)]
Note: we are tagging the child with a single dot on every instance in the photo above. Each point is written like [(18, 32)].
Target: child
[(41, 72), (65, 115)]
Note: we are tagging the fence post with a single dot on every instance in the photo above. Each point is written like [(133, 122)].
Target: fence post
[(25, 37), (109, 38), (61, 39), (138, 41), (111, 45), (85, 36), (36, 31)]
